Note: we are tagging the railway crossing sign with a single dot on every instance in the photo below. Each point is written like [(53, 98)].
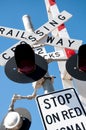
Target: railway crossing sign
[(39, 33), (32, 38), (62, 110)]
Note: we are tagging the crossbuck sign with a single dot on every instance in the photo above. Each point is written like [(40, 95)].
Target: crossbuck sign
[(33, 38), (62, 110)]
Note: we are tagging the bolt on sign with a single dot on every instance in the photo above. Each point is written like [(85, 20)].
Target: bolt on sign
[(62, 110)]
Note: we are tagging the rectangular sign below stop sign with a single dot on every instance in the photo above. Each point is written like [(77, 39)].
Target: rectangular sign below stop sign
[(62, 110)]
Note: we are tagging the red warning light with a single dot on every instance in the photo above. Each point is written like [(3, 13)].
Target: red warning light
[(25, 58), (82, 58)]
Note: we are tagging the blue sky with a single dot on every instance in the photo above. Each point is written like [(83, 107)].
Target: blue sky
[(11, 13)]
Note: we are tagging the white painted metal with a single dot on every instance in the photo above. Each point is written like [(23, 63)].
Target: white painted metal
[(52, 11), (27, 24)]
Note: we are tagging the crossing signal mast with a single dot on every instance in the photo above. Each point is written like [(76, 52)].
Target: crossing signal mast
[(72, 72), (33, 66)]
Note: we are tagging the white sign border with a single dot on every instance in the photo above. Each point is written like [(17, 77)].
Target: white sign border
[(41, 115)]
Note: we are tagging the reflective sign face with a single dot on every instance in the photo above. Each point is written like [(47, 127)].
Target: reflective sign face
[(39, 33), (62, 110), (64, 42)]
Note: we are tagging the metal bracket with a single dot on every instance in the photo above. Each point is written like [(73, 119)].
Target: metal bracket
[(36, 85)]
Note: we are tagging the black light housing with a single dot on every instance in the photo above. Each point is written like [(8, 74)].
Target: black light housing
[(82, 58), (76, 64), (25, 66)]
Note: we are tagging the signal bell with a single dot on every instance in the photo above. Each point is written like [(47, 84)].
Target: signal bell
[(76, 65), (19, 119), (25, 66)]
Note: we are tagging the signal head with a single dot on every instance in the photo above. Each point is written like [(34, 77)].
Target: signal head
[(76, 64), (25, 66)]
